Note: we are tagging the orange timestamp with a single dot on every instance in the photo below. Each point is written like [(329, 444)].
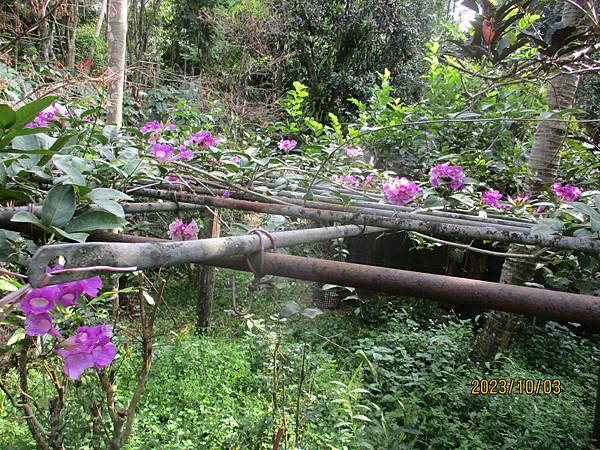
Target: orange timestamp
[(520, 386)]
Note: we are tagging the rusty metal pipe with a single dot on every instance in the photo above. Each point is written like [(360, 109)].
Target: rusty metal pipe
[(437, 229), (163, 254), (553, 305)]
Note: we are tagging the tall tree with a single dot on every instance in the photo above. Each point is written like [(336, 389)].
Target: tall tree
[(543, 162), (71, 25), (117, 35)]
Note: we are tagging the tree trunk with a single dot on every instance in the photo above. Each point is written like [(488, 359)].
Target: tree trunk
[(117, 34), (44, 30), (543, 163), (72, 20), (101, 14), (206, 282)]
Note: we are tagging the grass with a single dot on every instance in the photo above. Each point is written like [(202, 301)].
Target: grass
[(395, 373)]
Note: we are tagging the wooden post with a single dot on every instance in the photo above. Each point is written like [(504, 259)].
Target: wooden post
[(206, 276)]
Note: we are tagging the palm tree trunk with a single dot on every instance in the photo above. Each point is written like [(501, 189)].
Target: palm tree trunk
[(543, 163)]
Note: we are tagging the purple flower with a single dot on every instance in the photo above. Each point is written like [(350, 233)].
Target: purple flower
[(38, 324), (567, 192), (179, 231), (346, 179), (51, 113), (151, 126), (235, 160), (184, 153), (90, 347), (201, 139), (368, 180), (70, 292), (40, 300), (400, 191), (287, 144), (351, 180), (492, 198), (162, 152), (226, 194), (170, 126), (447, 175), (353, 151)]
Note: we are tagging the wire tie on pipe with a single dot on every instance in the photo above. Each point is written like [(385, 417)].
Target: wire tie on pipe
[(258, 273)]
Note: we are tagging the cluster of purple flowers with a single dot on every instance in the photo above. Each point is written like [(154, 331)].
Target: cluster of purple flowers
[(491, 198), (567, 193), (349, 179), (447, 175), (400, 191), (353, 151), (91, 346), (235, 160), (203, 139), (50, 114), (287, 144), (165, 152), (179, 231), (154, 126)]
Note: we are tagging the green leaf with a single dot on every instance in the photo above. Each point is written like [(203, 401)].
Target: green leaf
[(17, 336), (149, 299), (77, 237), (38, 142), (68, 165), (111, 207), (26, 217), (6, 285), (59, 206), (107, 194), (7, 116), (2, 173), (28, 112), (95, 220)]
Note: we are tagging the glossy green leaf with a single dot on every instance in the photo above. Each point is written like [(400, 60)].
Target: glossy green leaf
[(94, 220), (107, 194), (59, 206), (7, 116), (111, 206)]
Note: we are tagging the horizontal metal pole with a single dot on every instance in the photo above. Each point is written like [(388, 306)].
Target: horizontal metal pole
[(7, 213), (554, 305), (327, 197), (436, 229), (163, 254), (385, 210)]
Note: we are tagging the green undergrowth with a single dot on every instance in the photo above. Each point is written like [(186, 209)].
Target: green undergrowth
[(391, 373)]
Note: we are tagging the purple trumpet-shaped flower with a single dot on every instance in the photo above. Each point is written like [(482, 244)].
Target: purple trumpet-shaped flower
[(70, 292), (226, 194), (90, 347), (568, 192), (400, 191), (287, 144), (491, 198), (150, 127), (179, 231), (447, 175), (40, 300), (38, 324), (162, 152), (201, 139)]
